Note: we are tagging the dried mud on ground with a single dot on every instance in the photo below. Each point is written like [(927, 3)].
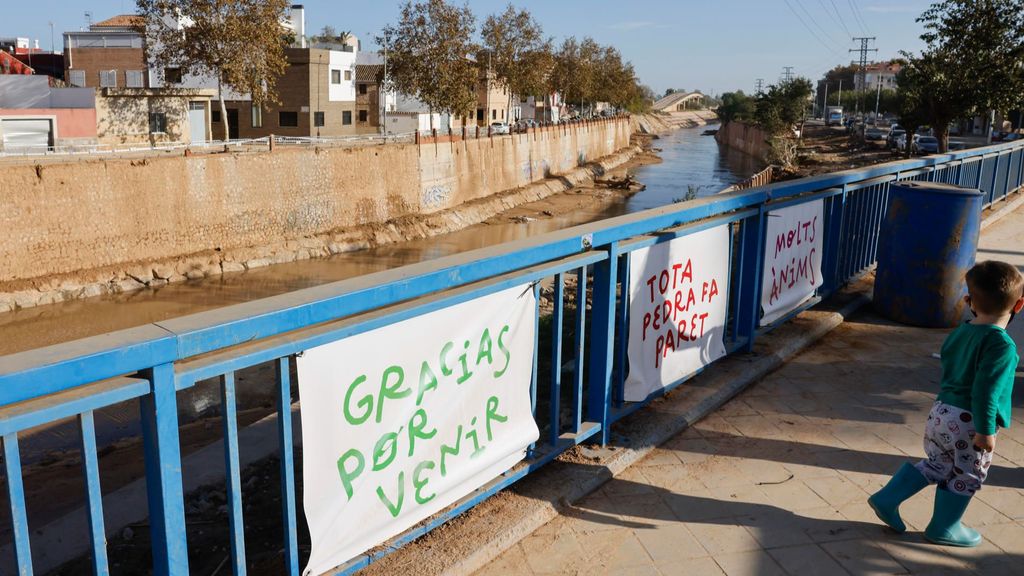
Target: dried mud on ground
[(827, 149)]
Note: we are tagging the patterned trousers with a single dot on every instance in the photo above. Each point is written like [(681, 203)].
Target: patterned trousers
[(953, 463)]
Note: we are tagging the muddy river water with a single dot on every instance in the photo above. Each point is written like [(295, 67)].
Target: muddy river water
[(689, 160)]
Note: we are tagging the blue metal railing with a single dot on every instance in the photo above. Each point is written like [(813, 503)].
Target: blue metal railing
[(586, 356)]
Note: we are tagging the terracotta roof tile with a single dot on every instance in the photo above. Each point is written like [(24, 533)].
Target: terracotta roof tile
[(121, 21), (369, 73)]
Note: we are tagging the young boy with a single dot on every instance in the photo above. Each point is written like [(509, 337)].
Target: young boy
[(979, 362)]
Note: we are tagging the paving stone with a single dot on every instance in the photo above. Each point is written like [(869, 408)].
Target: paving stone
[(806, 560), (1008, 537), (755, 563), (729, 536), (863, 557), (512, 563), (671, 544), (697, 567), (920, 557), (792, 495)]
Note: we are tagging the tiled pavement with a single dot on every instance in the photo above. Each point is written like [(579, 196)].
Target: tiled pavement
[(775, 482)]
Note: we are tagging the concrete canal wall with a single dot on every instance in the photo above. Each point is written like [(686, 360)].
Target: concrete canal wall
[(745, 138), (81, 229)]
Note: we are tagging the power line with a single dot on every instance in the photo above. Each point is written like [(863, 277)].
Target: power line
[(856, 15), (808, 28), (814, 21), (837, 18)]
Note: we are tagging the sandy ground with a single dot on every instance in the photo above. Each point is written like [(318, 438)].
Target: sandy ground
[(829, 148)]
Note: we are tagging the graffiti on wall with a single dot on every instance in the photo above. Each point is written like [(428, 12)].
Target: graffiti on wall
[(436, 196)]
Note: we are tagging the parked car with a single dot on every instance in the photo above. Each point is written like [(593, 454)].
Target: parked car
[(524, 125), (901, 142), (499, 128), (894, 135), (924, 145), (874, 137), (957, 145)]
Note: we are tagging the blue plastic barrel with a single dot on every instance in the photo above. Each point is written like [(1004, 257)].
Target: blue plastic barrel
[(925, 247)]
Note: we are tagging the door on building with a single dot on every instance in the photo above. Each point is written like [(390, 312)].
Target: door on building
[(233, 122), (25, 133), (197, 121)]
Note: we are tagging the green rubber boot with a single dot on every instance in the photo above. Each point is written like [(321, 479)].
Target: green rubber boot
[(945, 527), (906, 482)]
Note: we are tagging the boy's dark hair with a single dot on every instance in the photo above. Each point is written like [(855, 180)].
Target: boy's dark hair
[(994, 286)]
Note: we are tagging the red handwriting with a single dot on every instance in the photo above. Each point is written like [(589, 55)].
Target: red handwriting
[(792, 272), (674, 316), (802, 232)]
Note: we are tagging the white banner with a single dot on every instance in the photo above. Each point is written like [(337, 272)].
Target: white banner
[(678, 291), (794, 244), (402, 421)]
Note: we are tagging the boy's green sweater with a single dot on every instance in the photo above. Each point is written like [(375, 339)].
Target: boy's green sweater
[(979, 363)]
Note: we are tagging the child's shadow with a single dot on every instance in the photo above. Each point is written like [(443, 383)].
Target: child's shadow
[(631, 503)]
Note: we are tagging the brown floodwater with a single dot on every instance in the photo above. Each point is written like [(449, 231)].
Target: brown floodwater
[(689, 160)]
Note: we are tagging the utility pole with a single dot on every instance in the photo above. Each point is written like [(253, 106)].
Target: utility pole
[(824, 105), (839, 98), (759, 86), (787, 73), (878, 96), (861, 83)]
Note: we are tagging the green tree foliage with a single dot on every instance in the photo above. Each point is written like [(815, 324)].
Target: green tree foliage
[(832, 79), (519, 54), (587, 72), (736, 106), (973, 62), (239, 42), (329, 35), (429, 55), (783, 105)]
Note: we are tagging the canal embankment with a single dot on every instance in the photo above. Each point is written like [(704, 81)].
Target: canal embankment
[(746, 138), (657, 124), (77, 230)]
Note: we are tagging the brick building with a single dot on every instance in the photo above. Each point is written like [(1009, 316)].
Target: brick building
[(317, 95), (369, 78), (110, 54)]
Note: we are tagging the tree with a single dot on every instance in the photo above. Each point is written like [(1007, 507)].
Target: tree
[(736, 106), (329, 35), (519, 54), (429, 56), (832, 79), (564, 78), (239, 42), (783, 106), (973, 61)]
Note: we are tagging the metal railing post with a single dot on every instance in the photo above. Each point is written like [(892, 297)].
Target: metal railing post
[(833, 234), (752, 236), (159, 411), (603, 341), (995, 177), (1020, 169)]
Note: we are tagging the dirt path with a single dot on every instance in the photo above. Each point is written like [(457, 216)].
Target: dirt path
[(829, 149)]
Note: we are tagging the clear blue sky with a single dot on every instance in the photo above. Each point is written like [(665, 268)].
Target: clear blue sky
[(714, 46)]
